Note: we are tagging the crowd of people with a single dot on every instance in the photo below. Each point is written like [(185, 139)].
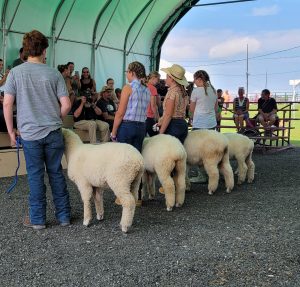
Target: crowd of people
[(144, 106)]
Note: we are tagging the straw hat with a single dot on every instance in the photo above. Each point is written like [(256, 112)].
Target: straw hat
[(176, 72), (106, 89)]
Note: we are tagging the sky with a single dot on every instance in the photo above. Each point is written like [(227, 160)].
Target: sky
[(215, 38)]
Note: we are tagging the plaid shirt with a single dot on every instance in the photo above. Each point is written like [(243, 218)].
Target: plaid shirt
[(137, 103)]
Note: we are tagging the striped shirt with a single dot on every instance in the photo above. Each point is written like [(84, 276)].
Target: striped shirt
[(137, 102)]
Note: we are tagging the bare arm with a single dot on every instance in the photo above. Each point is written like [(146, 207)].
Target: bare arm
[(65, 106), (8, 104), (167, 116), (78, 111), (126, 92)]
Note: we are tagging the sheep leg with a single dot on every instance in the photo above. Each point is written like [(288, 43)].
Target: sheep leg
[(121, 189), (169, 187), (251, 168), (145, 182), (179, 180), (86, 192), (187, 180), (136, 184), (242, 170), (226, 170), (211, 168), (98, 199)]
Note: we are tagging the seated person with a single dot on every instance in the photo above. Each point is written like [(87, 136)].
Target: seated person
[(107, 106), (220, 101), (240, 109), (267, 109), (85, 112)]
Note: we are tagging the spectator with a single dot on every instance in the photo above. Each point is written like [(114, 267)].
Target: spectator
[(204, 104), (85, 113), (64, 70), (240, 109), (40, 110), (267, 109), (22, 58), (129, 124), (227, 99), (220, 106), (107, 106), (118, 93), (173, 121), (75, 81), (110, 83), (86, 82), (152, 109)]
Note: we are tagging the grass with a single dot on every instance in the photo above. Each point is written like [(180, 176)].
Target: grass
[(295, 133)]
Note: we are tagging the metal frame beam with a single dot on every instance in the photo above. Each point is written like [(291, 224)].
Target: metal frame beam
[(127, 34)]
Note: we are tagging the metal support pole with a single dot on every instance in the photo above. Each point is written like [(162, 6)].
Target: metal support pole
[(13, 17), (57, 38)]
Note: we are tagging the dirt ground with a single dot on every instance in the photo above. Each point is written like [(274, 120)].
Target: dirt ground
[(250, 237)]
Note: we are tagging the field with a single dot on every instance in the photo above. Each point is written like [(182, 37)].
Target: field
[(295, 133)]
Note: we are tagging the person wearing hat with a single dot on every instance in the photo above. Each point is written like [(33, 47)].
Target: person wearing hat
[(173, 120), (107, 106)]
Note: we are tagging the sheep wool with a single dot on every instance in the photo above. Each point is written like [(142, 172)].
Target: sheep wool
[(165, 156), (92, 168), (210, 149), (241, 149)]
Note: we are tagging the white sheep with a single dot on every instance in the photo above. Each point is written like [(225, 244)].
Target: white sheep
[(164, 156), (241, 149), (93, 167), (210, 149)]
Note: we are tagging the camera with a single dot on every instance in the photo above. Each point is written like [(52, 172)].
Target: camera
[(88, 94)]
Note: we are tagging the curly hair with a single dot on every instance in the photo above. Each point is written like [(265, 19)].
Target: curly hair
[(34, 43), (205, 78), (139, 70)]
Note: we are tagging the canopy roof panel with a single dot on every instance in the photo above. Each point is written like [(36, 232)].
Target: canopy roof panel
[(102, 35)]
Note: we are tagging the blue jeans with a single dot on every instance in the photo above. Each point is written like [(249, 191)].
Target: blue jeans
[(132, 133), (178, 128), (46, 152)]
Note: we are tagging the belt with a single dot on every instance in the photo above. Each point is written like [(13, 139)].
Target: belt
[(135, 122)]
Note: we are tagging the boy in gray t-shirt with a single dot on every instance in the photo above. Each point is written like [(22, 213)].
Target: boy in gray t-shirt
[(42, 101)]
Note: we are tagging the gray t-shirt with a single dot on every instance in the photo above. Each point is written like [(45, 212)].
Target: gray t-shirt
[(37, 89)]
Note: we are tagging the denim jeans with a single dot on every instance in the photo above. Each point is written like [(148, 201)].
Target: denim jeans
[(149, 127), (178, 128), (46, 152), (132, 133)]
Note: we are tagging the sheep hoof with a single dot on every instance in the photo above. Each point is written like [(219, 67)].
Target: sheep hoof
[(178, 204), (250, 180), (239, 182), (100, 217), (169, 208), (86, 223), (125, 228), (210, 192), (228, 190)]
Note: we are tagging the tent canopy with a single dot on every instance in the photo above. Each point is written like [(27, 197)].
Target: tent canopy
[(104, 35)]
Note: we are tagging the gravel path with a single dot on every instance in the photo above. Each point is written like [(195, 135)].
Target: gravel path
[(250, 237)]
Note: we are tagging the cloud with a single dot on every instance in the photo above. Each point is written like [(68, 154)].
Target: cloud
[(234, 46), (166, 64), (265, 11)]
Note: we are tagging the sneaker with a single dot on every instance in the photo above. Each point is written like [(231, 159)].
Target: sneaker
[(27, 223), (64, 224), (200, 178), (161, 190)]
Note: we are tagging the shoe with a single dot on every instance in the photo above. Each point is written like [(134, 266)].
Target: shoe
[(117, 201), (199, 179), (161, 190), (64, 224), (27, 223), (138, 203)]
